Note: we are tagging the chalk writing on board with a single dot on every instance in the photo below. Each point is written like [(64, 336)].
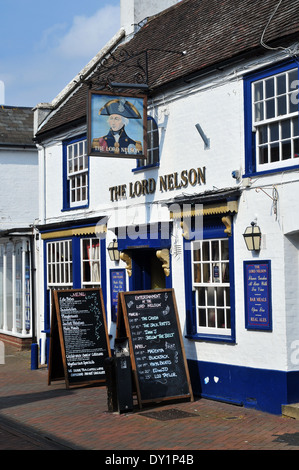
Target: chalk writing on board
[(157, 345), (84, 334)]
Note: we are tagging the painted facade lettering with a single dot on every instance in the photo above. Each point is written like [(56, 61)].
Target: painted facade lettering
[(165, 183)]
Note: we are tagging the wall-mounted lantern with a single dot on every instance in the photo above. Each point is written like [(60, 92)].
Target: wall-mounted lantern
[(114, 254), (252, 237)]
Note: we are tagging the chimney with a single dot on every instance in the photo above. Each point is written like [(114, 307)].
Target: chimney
[(133, 12)]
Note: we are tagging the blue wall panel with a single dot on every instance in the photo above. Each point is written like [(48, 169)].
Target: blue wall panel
[(264, 390)]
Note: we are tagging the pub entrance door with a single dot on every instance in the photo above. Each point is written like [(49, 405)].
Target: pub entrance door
[(147, 271)]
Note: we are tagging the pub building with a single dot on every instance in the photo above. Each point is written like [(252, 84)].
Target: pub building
[(171, 161)]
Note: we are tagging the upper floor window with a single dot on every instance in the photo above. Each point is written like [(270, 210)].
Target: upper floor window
[(152, 144), (272, 127), (76, 174), (152, 141)]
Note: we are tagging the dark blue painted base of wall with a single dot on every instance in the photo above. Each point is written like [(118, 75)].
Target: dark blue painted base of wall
[(262, 389)]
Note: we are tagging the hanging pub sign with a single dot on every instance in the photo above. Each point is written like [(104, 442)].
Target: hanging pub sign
[(117, 125)]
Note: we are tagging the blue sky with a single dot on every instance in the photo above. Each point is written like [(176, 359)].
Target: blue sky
[(45, 43)]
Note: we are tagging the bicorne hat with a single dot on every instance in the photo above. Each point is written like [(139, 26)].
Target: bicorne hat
[(122, 107)]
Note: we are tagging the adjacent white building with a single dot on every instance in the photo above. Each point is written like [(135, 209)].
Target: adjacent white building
[(18, 211), (223, 146)]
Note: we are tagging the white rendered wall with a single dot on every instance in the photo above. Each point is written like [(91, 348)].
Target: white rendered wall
[(18, 189), (219, 109)]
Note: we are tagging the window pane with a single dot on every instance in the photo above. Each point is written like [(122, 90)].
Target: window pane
[(269, 87), (211, 298), (202, 317), (286, 150), (270, 109), (220, 318), (293, 80), (225, 272), (224, 250), (263, 154), (274, 149), (196, 252), (259, 111), (296, 148), (228, 322), (220, 296), (197, 275), (293, 102), (227, 296), (281, 84), (274, 132), (295, 126), (211, 318), (258, 91), (281, 105), (205, 251), (215, 250), (263, 134), (286, 129), (206, 272), (201, 297)]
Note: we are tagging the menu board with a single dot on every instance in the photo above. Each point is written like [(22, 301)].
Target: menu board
[(257, 281), (150, 320), (79, 323)]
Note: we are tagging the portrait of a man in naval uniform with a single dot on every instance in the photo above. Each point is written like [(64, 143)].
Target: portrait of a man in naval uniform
[(119, 113)]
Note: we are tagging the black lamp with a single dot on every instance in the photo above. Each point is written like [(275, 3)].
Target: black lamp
[(252, 237), (113, 251)]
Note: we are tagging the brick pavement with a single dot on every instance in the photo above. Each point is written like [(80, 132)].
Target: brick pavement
[(35, 415)]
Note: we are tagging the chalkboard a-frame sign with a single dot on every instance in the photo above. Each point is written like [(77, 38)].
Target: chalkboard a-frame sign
[(79, 342), (150, 320)]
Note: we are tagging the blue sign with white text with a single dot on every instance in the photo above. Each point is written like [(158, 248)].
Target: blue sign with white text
[(257, 284), (117, 284)]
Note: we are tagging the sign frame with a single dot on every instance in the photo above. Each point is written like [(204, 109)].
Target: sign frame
[(123, 329), (57, 368), (258, 295), (114, 293), (100, 106)]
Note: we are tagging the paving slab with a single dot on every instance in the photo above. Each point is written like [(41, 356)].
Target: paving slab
[(35, 416)]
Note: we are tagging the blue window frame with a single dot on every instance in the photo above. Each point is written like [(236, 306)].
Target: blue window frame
[(271, 119), (75, 174), (209, 284), (73, 263)]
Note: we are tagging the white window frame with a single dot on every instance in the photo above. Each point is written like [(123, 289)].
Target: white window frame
[(59, 264), (77, 173), (152, 142), (275, 120), (208, 283), (93, 261)]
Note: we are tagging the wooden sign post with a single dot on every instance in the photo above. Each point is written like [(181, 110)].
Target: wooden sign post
[(150, 320), (79, 342)]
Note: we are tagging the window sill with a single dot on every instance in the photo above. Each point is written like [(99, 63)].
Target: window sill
[(270, 172), (146, 167), (209, 337), (66, 209)]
